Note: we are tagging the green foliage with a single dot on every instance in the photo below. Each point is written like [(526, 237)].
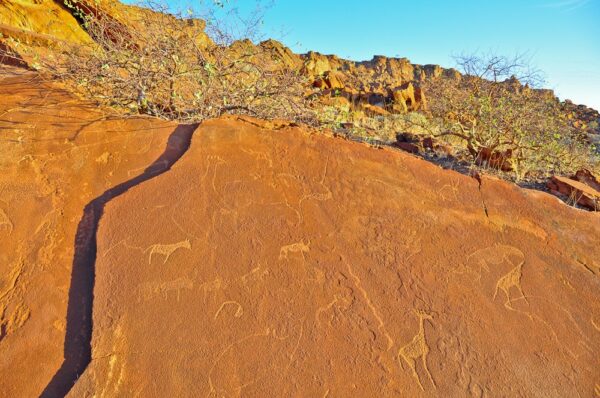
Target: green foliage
[(505, 118)]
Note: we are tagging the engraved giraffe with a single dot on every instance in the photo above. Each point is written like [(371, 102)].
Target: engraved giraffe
[(167, 250), (416, 349), (511, 279)]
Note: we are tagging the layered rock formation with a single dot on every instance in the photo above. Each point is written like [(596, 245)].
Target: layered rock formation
[(273, 260), (582, 189)]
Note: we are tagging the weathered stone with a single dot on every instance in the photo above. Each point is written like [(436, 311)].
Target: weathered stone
[(374, 110), (408, 98), (499, 160), (575, 192), (268, 254)]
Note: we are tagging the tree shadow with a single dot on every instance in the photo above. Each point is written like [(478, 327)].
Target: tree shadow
[(78, 338)]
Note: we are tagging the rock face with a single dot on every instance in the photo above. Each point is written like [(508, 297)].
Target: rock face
[(272, 260), (276, 261), (42, 17), (392, 84), (56, 155)]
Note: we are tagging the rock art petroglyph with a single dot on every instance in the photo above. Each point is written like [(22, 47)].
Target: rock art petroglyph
[(299, 247), (13, 312), (320, 196), (5, 222), (417, 349), (451, 189), (167, 250), (508, 281), (238, 312), (211, 287), (256, 274), (259, 156), (339, 301), (381, 324), (115, 376), (496, 255), (231, 370), (149, 289)]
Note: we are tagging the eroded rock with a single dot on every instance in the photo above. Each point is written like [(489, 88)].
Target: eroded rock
[(582, 189), (304, 255)]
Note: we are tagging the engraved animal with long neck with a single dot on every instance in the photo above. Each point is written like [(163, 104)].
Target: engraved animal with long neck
[(416, 349)]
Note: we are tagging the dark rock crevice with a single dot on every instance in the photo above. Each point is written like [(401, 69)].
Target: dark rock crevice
[(78, 338)]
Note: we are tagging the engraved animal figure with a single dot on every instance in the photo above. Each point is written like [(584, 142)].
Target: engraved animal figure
[(496, 255), (416, 349), (299, 247), (167, 250), (148, 290), (238, 312), (5, 221), (511, 279)]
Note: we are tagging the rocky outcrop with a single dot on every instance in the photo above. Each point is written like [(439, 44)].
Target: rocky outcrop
[(582, 189), (45, 17), (585, 119), (382, 81), (274, 260)]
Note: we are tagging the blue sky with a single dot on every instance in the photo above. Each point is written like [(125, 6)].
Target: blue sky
[(561, 36)]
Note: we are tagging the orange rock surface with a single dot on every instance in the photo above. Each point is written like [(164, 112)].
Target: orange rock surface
[(56, 154), (270, 260)]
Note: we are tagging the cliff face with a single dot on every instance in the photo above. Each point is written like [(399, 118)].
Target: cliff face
[(45, 17), (268, 258)]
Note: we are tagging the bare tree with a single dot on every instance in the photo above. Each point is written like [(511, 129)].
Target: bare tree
[(498, 68)]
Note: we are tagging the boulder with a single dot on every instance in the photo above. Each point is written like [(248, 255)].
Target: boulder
[(281, 53), (407, 97), (586, 177), (316, 64), (329, 80), (499, 160), (374, 110), (575, 192)]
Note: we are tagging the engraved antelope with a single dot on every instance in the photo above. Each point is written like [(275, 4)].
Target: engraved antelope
[(167, 250)]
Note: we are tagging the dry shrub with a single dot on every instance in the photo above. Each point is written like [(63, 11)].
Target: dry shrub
[(165, 65), (506, 119)]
